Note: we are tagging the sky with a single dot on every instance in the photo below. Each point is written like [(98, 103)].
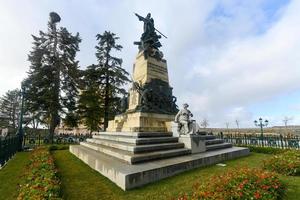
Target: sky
[(228, 59)]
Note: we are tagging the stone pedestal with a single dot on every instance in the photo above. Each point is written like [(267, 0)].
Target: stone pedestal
[(145, 70), (151, 104), (141, 122), (196, 143)]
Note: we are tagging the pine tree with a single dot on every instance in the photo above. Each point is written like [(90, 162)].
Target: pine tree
[(112, 75), (90, 103), (10, 104), (51, 87)]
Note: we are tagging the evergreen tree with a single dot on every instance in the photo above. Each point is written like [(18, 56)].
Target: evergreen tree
[(10, 105), (51, 86), (111, 74), (90, 104)]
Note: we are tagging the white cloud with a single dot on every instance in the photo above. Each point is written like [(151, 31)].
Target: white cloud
[(250, 69), (223, 55)]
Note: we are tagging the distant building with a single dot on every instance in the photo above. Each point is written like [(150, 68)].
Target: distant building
[(62, 129), (288, 127), (80, 130)]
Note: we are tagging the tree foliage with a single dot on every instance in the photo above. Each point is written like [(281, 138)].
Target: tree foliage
[(103, 83), (90, 104), (10, 105), (52, 84)]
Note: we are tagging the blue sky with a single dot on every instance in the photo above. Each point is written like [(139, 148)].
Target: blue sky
[(229, 59)]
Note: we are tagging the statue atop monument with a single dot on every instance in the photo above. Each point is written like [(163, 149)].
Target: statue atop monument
[(149, 41)]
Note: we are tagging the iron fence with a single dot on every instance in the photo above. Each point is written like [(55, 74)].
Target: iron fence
[(31, 141), (8, 147), (278, 141)]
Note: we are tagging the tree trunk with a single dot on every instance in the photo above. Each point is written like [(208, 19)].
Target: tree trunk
[(54, 121), (106, 102), (53, 124)]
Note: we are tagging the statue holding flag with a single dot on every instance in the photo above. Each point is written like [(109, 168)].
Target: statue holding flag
[(150, 39)]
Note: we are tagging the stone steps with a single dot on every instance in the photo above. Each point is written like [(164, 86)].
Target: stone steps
[(128, 176), (132, 158), (218, 146), (138, 134), (136, 148), (209, 137), (136, 140), (214, 141)]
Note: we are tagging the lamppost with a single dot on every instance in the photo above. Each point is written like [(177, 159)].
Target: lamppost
[(20, 128), (261, 125)]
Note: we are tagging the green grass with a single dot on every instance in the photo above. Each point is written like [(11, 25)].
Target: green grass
[(81, 182), (293, 190), (10, 176)]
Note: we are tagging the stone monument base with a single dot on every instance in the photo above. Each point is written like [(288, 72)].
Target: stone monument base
[(141, 122), (193, 142), (133, 159), (128, 176)]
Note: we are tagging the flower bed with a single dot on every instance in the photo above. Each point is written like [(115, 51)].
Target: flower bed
[(240, 184), (287, 163), (40, 180)]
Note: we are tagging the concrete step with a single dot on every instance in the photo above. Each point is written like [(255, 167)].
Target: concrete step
[(136, 148), (218, 146), (132, 158), (139, 134), (214, 141), (210, 137), (136, 140)]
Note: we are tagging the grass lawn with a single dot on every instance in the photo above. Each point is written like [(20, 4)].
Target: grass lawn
[(81, 182), (293, 190), (10, 176)]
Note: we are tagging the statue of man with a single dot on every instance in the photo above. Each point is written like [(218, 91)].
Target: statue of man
[(183, 118), (149, 29), (149, 38)]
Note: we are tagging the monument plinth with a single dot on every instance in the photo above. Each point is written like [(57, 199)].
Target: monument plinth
[(145, 70), (151, 104)]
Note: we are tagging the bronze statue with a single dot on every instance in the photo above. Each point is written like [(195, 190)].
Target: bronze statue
[(149, 42)]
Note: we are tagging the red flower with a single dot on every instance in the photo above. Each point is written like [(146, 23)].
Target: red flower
[(257, 195)]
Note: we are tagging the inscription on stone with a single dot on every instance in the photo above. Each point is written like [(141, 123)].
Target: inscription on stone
[(157, 68), (156, 71)]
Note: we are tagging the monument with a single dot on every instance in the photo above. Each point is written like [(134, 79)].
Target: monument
[(152, 105), (141, 145)]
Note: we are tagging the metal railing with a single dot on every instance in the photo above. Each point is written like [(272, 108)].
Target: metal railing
[(278, 141), (31, 141), (8, 147)]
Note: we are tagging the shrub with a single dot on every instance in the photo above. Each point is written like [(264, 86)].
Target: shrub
[(39, 180), (55, 147), (287, 163), (242, 183), (265, 150)]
